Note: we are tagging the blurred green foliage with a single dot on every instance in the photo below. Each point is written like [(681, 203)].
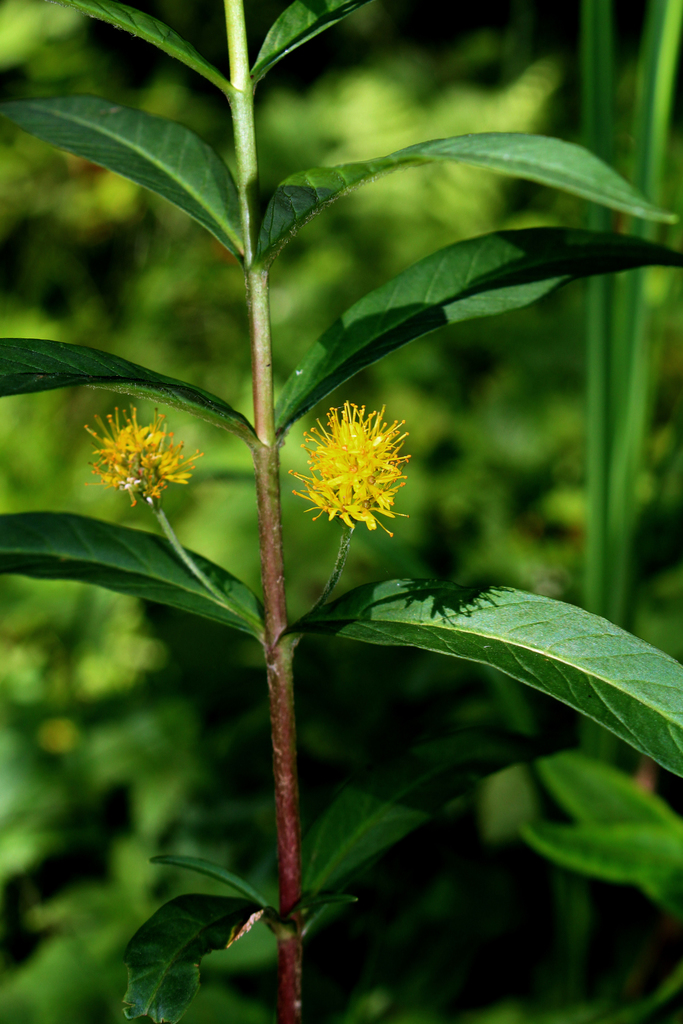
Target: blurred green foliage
[(127, 731)]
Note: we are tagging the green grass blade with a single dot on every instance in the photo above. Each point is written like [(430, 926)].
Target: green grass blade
[(632, 358), (597, 79)]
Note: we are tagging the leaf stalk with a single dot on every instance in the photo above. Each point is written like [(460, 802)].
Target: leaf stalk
[(340, 563), (184, 555)]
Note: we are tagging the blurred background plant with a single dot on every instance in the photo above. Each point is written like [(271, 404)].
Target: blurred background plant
[(125, 729)]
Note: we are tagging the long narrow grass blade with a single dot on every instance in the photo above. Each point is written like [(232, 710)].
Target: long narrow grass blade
[(597, 76), (632, 350)]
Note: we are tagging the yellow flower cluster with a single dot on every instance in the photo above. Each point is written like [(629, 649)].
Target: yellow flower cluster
[(140, 460), (355, 468)]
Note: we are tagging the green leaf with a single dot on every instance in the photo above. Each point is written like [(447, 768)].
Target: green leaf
[(28, 365), (628, 852), (163, 956), (478, 277), (300, 22), (648, 856), (624, 835), (58, 546), (152, 31), (538, 158), (324, 899), (628, 686), (206, 867), (378, 808), (594, 792), (159, 154)]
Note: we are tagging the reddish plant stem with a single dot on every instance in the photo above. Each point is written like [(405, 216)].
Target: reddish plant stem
[(289, 981), (278, 652), (277, 647)]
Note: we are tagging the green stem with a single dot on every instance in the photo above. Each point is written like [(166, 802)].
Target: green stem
[(633, 376), (597, 77), (185, 555), (597, 112), (277, 648), (342, 555)]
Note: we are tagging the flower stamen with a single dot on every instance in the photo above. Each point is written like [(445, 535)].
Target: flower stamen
[(139, 460), (355, 470)]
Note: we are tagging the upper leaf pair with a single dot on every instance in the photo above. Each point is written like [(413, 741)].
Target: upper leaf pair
[(300, 22)]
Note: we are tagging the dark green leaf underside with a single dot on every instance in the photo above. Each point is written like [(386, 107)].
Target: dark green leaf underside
[(59, 546), (152, 31), (478, 277), (159, 154), (539, 158), (220, 874), (298, 23), (378, 808), (28, 365), (628, 686), (163, 956)]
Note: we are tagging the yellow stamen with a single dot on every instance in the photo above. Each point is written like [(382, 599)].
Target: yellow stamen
[(140, 460), (355, 470)]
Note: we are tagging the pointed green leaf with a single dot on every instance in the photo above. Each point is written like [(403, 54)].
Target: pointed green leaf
[(628, 686), (648, 856), (28, 365), (624, 835), (378, 808), (592, 791), (163, 956), (300, 22), (152, 31), (58, 546), (479, 277), (206, 867), (159, 154), (324, 899), (628, 853), (538, 158)]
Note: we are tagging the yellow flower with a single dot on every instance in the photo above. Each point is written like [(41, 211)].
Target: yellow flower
[(140, 460), (355, 469)]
